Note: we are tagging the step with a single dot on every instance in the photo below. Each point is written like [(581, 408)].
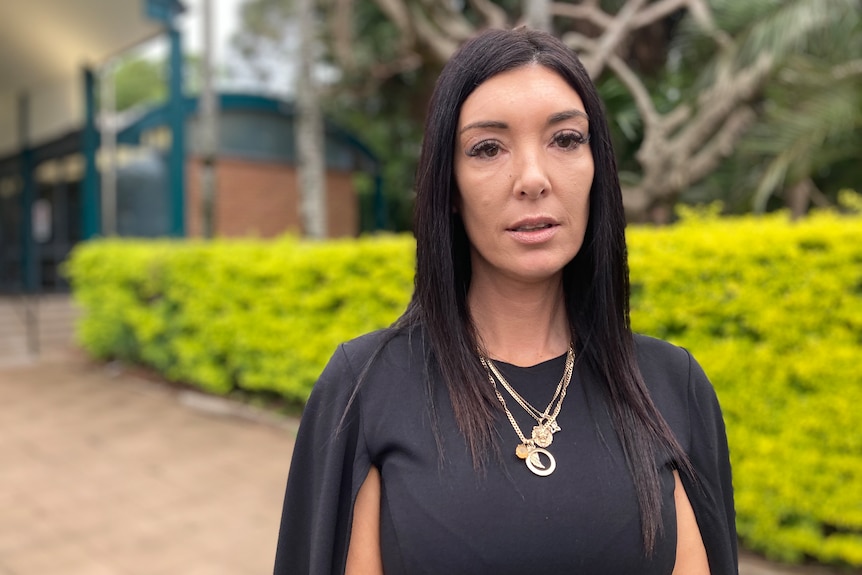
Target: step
[(55, 316)]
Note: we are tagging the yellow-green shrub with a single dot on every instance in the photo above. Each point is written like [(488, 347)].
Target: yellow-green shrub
[(773, 312), (250, 315), (771, 309)]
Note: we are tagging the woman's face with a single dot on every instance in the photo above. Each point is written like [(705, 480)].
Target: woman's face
[(524, 169)]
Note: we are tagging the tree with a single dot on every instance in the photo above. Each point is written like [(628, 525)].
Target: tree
[(311, 153), (279, 32), (684, 79), (139, 81), (805, 145), (435, 29)]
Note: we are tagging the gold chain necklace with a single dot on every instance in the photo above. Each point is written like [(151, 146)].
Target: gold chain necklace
[(543, 417), (531, 450)]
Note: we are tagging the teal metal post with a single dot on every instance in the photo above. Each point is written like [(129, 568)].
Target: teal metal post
[(379, 202), (29, 252), (176, 121), (91, 208), (28, 247)]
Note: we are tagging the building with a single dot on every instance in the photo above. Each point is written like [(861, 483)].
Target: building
[(53, 164)]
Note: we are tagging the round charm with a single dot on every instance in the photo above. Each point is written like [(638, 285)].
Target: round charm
[(535, 464), (522, 451), (542, 435)]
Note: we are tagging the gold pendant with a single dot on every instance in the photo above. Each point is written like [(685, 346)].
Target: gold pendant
[(543, 435), (522, 451), (535, 464)]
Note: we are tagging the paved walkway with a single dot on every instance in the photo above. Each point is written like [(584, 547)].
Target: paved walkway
[(106, 473), (109, 474)]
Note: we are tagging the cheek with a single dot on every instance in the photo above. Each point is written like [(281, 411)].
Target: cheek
[(470, 201)]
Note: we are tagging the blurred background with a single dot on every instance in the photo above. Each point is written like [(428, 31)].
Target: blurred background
[(171, 124), (164, 118)]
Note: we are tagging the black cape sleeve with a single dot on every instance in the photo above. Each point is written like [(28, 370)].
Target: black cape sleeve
[(711, 495), (329, 464)]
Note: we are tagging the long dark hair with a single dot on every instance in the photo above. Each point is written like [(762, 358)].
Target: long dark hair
[(595, 282)]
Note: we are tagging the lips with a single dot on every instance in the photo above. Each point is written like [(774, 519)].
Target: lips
[(531, 228), (532, 224), (533, 231)]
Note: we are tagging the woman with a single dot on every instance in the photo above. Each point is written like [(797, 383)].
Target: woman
[(510, 422)]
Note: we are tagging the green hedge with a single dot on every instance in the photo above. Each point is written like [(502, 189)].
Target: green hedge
[(771, 309), (246, 315), (773, 312)]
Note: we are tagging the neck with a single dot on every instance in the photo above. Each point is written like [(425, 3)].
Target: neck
[(518, 323)]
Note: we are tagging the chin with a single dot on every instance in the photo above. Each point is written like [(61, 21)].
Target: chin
[(539, 273)]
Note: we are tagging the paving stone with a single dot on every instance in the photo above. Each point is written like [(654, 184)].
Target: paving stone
[(114, 475)]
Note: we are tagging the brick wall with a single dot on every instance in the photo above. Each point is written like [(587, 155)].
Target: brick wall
[(261, 199)]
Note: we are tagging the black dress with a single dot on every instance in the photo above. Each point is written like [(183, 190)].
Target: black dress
[(440, 516)]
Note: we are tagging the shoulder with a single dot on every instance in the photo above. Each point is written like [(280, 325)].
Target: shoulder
[(661, 356), (687, 401), (364, 358), (337, 397), (663, 363), (386, 346), (676, 382)]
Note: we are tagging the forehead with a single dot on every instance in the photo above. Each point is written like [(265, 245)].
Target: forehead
[(521, 90)]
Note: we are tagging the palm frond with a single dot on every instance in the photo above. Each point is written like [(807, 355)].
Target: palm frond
[(791, 27)]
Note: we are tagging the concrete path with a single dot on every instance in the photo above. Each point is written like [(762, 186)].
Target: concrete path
[(107, 473), (110, 474)]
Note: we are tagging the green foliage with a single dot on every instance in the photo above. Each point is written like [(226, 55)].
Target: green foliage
[(771, 309), (245, 315), (810, 111), (773, 312), (387, 109), (139, 81)]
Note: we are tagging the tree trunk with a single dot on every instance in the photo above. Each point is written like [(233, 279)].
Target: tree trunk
[(209, 127), (537, 14), (311, 169)]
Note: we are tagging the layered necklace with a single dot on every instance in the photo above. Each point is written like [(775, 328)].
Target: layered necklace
[(533, 449)]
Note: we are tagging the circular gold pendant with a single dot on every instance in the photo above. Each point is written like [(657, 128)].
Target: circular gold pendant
[(536, 465), (542, 435), (522, 451)]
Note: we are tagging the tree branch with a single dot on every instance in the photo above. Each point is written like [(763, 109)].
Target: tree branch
[(495, 17), (588, 11), (341, 24), (612, 37), (406, 63), (659, 10), (398, 12), (449, 21), (847, 69), (643, 101), (719, 147), (441, 46), (715, 104)]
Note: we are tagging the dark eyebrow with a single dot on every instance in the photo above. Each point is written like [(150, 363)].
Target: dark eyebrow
[(567, 115), (485, 124), (553, 119)]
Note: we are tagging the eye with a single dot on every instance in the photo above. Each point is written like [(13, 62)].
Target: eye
[(570, 139), (484, 149)]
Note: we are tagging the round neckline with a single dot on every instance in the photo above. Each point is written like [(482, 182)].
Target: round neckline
[(552, 361)]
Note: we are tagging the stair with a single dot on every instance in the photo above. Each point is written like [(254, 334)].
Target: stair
[(36, 327)]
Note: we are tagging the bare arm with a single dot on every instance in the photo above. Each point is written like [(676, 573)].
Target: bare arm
[(690, 552), (363, 552)]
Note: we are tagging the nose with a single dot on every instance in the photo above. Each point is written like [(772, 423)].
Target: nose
[(531, 180)]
